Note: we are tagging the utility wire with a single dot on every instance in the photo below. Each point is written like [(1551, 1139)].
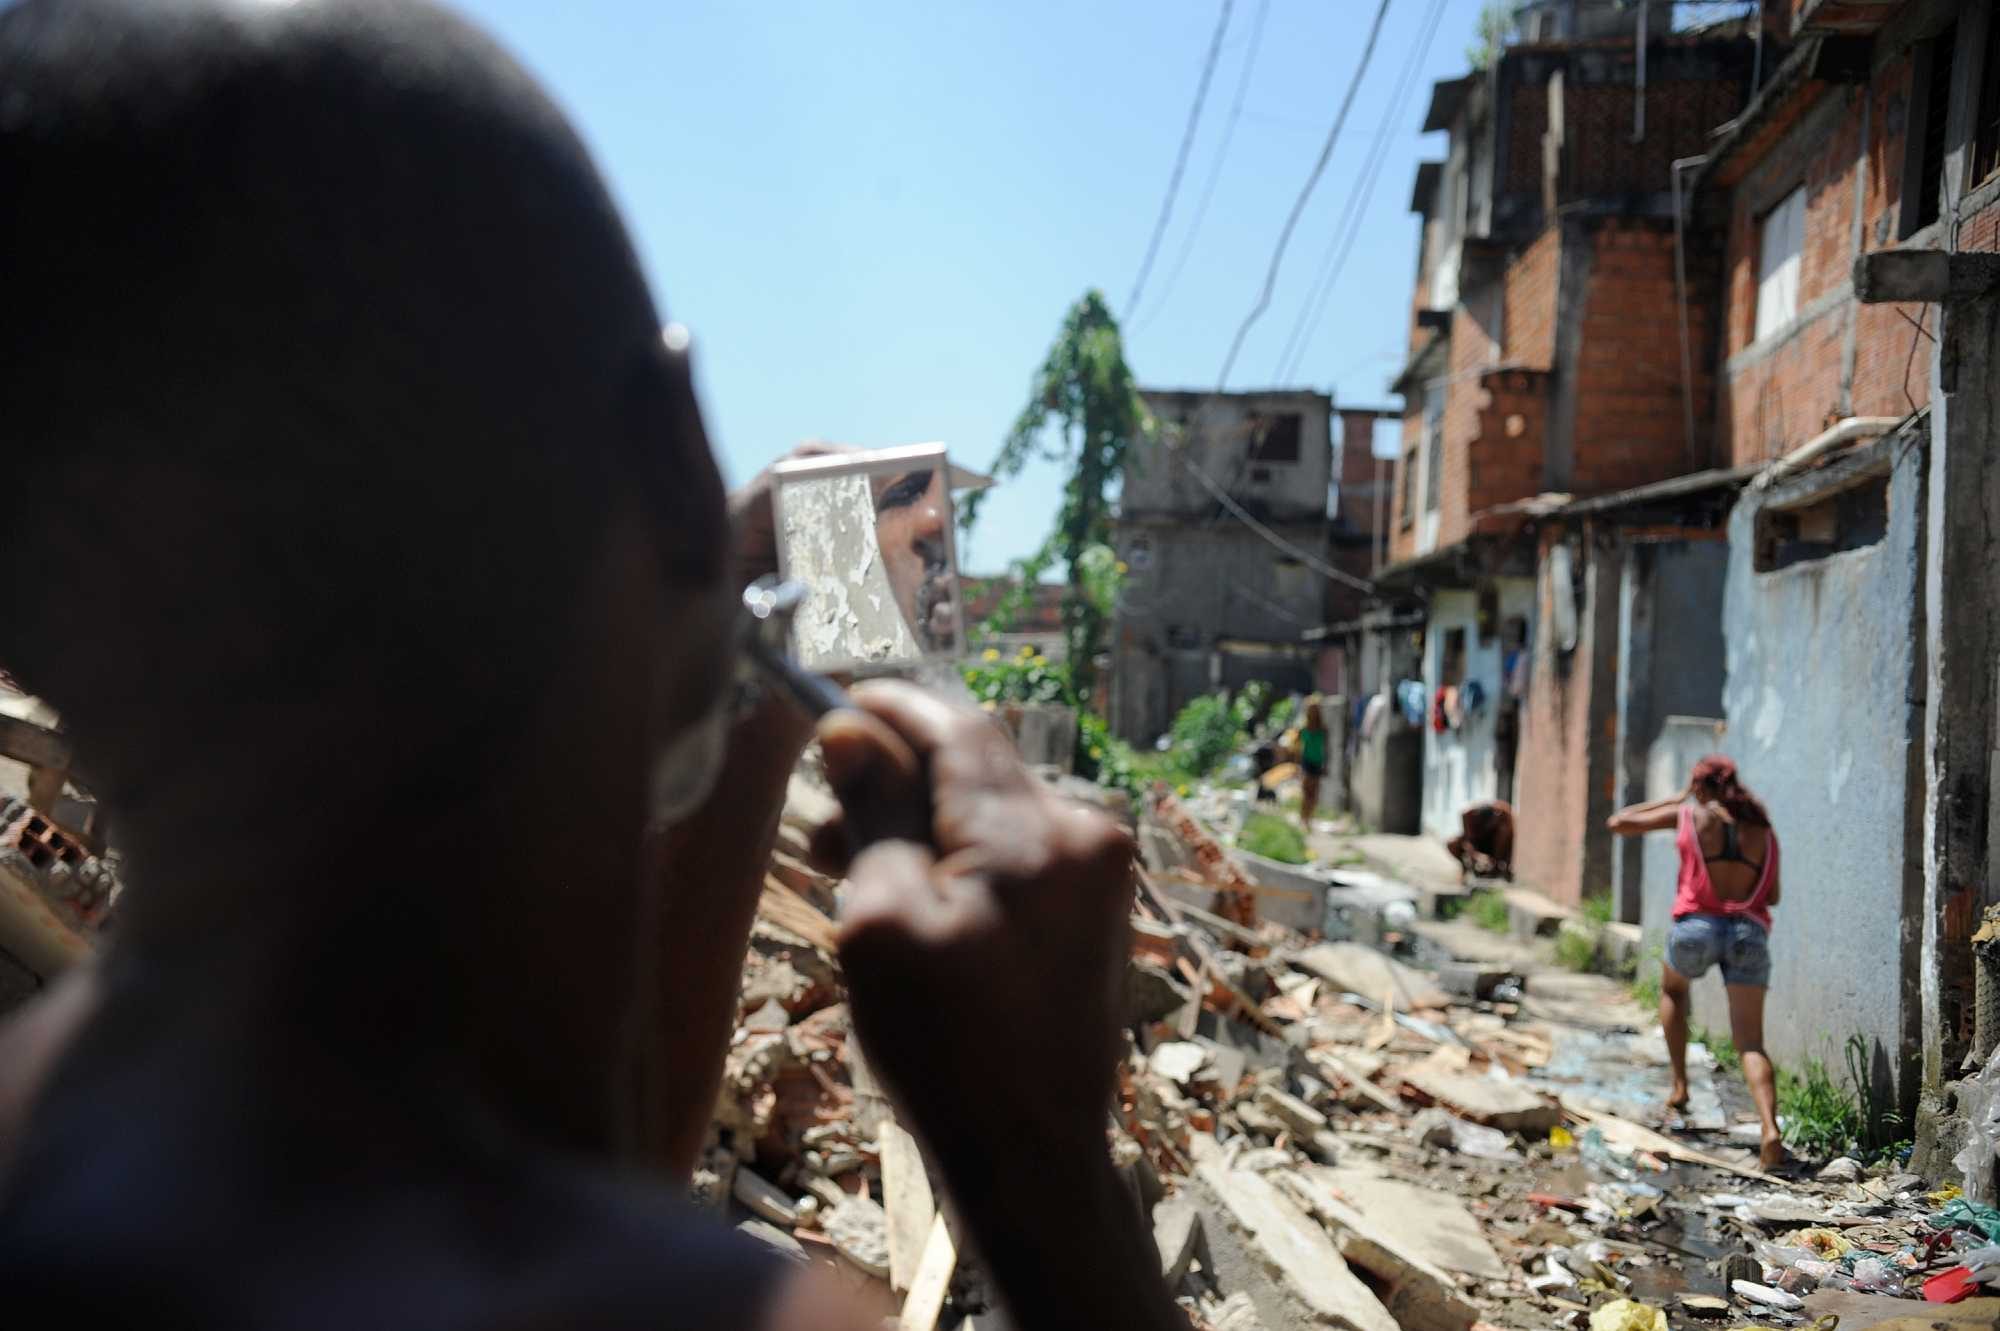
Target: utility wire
[(1299, 205), (1181, 158), (1215, 168), (1341, 243)]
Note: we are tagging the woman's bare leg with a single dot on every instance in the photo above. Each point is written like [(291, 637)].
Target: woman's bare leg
[(1674, 1024), (1746, 1028)]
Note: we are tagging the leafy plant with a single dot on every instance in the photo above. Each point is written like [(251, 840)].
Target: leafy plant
[(1026, 677), (1489, 911), (1083, 408), (1205, 733), (1821, 1116), (1489, 34), (1646, 989), (1273, 837), (1597, 910), (1576, 949)]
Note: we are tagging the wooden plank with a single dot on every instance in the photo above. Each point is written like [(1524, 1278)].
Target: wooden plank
[(932, 1282), (788, 910), (906, 1197), (37, 746), (1633, 1136), (1349, 1077)]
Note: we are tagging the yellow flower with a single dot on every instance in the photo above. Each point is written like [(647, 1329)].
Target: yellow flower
[(1181, 789), (1122, 567), (1026, 650), (1096, 752), (990, 654), (1039, 660), (987, 705)]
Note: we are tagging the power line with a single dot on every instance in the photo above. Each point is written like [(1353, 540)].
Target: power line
[(1181, 158), (1305, 193), (1244, 516), (1215, 169), (1348, 230)]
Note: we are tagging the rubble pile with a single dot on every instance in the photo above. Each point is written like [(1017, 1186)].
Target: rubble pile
[(1324, 1135)]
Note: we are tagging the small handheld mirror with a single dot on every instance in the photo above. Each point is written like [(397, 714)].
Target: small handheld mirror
[(869, 535)]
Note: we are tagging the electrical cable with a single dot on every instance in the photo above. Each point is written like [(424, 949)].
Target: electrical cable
[(1348, 230), (1263, 301), (1181, 158), (1215, 168)]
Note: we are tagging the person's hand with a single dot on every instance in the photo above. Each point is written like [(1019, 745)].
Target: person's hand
[(750, 514), (984, 934)]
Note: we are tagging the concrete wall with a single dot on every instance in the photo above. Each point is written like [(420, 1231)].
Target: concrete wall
[(1459, 765), (1568, 725), (1197, 602), (1217, 433), (1670, 664), (1824, 713)]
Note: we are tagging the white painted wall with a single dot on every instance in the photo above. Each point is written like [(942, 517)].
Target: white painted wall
[(1459, 766)]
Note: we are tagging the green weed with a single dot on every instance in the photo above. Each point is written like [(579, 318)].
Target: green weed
[(1489, 911), (1646, 989), (1821, 1116), (1597, 910), (1576, 949), (1273, 837)]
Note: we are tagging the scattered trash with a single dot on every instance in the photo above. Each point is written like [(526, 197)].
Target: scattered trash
[(1765, 1295), (1628, 1315), (1964, 1213)]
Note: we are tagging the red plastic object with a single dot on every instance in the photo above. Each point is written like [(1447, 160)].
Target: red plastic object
[(1552, 1200), (1949, 1286)]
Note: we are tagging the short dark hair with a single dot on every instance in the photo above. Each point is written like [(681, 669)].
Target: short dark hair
[(322, 351)]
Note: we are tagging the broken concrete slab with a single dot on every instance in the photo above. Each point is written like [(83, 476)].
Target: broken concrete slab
[(1419, 1222), (1363, 970), (859, 1229), (1178, 1060), (1507, 1105), (1263, 1245), (1151, 994), (1299, 1116), (1859, 1312), (1177, 1233), (1419, 1294), (764, 1199), (1469, 979)]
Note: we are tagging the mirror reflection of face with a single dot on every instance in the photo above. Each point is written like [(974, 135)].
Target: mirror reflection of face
[(912, 511)]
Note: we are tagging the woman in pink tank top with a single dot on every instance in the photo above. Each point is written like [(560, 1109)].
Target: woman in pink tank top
[(1729, 881)]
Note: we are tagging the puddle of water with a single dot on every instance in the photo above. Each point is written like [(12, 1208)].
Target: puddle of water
[(1625, 1074)]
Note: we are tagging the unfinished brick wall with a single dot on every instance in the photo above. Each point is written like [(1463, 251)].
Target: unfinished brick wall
[(1558, 813), (1530, 318), (1505, 461), (1838, 358), (1981, 231), (1629, 426)]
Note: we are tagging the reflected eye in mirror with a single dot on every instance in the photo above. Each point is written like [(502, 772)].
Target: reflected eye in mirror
[(870, 535)]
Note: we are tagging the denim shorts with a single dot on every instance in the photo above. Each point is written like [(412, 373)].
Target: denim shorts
[(1740, 945)]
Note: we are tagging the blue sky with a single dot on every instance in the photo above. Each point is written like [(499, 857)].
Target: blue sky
[(873, 215)]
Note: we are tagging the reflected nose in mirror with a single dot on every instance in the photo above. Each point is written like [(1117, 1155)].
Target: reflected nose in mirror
[(870, 535)]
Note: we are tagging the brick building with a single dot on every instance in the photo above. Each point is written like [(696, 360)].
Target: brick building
[(1546, 228), (1860, 671)]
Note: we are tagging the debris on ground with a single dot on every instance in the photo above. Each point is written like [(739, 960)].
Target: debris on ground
[(1330, 1132)]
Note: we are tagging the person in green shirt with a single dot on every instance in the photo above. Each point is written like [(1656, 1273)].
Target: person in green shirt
[(1312, 759)]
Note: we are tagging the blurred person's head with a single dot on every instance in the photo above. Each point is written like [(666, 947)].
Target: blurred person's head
[(353, 485), (1715, 781)]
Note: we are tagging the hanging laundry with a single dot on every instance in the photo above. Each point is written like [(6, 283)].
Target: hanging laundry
[(1371, 718), (1454, 712), (1472, 697), (1410, 697), (1439, 721)]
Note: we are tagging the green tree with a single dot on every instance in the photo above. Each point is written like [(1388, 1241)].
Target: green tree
[(1083, 409), (1489, 33)]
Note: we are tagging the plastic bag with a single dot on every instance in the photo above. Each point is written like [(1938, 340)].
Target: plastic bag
[(1979, 1101), (1969, 1215), (1872, 1275)]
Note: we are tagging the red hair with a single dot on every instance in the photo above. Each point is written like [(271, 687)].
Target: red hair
[(1715, 778)]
